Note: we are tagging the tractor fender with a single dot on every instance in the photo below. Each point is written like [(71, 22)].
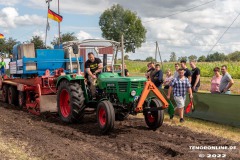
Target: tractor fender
[(70, 78)]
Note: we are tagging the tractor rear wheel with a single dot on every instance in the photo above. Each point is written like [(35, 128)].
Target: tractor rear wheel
[(12, 95), (105, 116), (70, 102), (154, 119), (21, 99), (5, 93)]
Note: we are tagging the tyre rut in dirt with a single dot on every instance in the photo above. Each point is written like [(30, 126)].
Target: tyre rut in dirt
[(105, 116), (21, 99), (70, 102), (12, 95), (5, 93), (154, 119)]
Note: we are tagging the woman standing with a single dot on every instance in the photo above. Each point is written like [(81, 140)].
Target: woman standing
[(215, 82), (168, 79)]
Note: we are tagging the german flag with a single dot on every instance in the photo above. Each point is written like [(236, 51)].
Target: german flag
[(1, 36), (54, 16)]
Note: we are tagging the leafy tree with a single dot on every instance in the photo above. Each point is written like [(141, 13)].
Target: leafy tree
[(126, 57), (6, 45), (2, 45), (216, 57), (165, 60), (38, 42), (117, 21), (192, 58), (64, 38), (173, 57), (235, 56), (150, 59), (182, 58), (202, 58)]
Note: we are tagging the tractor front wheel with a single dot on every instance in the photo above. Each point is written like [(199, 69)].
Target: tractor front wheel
[(70, 102), (105, 116), (154, 119)]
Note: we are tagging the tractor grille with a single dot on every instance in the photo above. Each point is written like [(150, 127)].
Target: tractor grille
[(123, 86), (111, 89), (135, 85)]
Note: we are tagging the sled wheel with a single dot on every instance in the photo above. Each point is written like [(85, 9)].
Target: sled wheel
[(70, 102), (154, 119), (5, 93), (12, 95), (105, 116), (21, 99)]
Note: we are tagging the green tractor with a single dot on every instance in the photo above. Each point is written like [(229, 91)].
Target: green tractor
[(117, 96)]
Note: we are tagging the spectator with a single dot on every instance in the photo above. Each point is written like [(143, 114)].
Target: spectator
[(176, 70), (151, 68), (195, 83), (108, 68), (126, 72), (168, 79), (187, 72), (93, 68), (180, 86), (2, 67), (157, 78), (226, 81), (215, 82)]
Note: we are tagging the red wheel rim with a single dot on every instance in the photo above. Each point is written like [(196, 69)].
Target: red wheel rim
[(9, 96), (102, 116), (150, 118), (64, 103)]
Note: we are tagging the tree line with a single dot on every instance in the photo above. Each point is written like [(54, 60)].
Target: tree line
[(234, 56)]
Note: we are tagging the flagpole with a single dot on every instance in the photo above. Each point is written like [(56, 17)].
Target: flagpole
[(47, 25), (59, 36)]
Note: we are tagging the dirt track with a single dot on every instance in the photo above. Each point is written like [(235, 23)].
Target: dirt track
[(25, 136)]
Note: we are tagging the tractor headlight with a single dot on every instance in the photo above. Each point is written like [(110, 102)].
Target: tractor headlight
[(133, 93)]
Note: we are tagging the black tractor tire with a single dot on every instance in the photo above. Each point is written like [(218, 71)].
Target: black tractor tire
[(5, 93), (12, 95), (105, 116), (21, 99), (70, 102), (154, 119)]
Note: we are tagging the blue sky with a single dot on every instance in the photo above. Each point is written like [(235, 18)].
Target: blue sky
[(186, 33)]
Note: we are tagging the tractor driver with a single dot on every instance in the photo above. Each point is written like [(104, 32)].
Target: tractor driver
[(93, 67)]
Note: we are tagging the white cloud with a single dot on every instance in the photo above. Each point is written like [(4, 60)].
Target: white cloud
[(83, 35), (89, 7), (9, 2), (10, 18)]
